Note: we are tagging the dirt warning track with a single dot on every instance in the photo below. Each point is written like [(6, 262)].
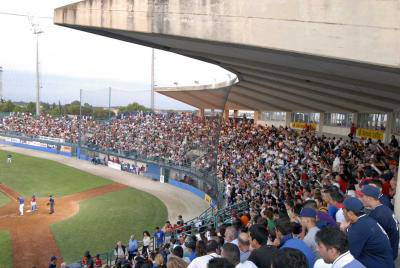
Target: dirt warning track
[(32, 240)]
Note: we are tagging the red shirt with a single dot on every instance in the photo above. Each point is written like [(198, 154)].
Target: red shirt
[(386, 188), (342, 185)]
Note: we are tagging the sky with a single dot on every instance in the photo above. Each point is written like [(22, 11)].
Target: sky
[(71, 59)]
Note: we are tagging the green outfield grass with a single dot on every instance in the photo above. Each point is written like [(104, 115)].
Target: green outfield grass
[(3, 200), (5, 249), (104, 220), (31, 175)]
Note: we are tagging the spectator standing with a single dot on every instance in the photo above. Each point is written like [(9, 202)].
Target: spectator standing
[(120, 253), (368, 242), (159, 236), (289, 258), (98, 262), (285, 237), (333, 247), (53, 261), (132, 247), (176, 262), (308, 222), (146, 243), (383, 216), (202, 262), (244, 246), (231, 235), (394, 142), (262, 253)]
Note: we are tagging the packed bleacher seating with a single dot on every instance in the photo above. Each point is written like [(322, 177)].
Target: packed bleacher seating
[(313, 201)]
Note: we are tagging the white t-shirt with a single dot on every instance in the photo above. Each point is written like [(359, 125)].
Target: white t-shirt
[(246, 264), (321, 264), (202, 262), (340, 216)]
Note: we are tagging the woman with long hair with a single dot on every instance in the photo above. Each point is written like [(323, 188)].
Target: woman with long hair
[(146, 243)]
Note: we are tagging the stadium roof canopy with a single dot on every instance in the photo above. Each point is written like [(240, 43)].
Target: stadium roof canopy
[(288, 56)]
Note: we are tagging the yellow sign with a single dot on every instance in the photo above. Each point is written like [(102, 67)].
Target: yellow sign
[(208, 199), (370, 133), (302, 125)]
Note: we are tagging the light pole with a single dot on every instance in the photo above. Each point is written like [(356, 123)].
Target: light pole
[(36, 31), (152, 81)]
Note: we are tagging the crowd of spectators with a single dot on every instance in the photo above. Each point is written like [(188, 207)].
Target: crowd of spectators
[(314, 201)]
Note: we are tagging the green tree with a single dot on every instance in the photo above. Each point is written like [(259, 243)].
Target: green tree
[(133, 107), (7, 106), (31, 107), (19, 109)]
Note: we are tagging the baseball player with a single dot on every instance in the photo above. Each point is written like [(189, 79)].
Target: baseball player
[(52, 204), (9, 159), (21, 202), (33, 203)]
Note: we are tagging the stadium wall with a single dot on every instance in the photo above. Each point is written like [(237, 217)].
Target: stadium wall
[(37, 145)]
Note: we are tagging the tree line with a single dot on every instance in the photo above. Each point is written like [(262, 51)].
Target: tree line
[(73, 108)]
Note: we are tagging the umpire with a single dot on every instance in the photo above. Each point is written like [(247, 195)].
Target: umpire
[(51, 203)]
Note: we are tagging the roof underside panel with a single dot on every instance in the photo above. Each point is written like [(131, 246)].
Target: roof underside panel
[(268, 79)]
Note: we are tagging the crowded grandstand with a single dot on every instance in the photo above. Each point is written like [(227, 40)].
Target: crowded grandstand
[(310, 200)]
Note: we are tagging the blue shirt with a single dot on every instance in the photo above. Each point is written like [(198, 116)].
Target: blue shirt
[(369, 244), (159, 236), (21, 200), (192, 256), (300, 245), (133, 245), (385, 217), (332, 211), (386, 201)]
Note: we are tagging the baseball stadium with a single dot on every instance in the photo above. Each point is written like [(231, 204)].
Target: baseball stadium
[(290, 160)]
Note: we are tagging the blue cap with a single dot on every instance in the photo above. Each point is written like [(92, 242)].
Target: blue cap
[(53, 258), (308, 212), (371, 191), (353, 204)]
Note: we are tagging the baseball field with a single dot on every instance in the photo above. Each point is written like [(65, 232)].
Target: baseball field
[(92, 213)]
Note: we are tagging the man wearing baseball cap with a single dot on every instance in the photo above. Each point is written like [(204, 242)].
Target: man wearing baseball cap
[(53, 261), (308, 221), (382, 214), (368, 242)]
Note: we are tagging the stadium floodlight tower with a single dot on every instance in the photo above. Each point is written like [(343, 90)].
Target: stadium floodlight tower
[(36, 31)]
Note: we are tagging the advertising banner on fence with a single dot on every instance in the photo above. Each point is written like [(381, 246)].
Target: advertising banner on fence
[(37, 144), (66, 149), (302, 125), (114, 165), (58, 140), (15, 140), (370, 133)]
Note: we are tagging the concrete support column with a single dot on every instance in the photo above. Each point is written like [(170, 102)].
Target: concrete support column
[(355, 119), (235, 113), (389, 126), (397, 195), (288, 119), (321, 123), (226, 115), (200, 112), (257, 116)]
